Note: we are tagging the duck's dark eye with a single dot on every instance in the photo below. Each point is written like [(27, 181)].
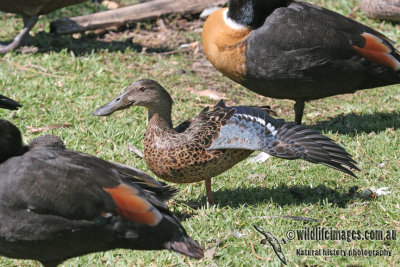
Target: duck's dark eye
[(142, 89)]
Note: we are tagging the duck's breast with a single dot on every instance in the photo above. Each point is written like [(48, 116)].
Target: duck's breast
[(180, 158)]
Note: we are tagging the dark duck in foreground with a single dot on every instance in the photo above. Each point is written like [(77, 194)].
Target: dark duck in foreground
[(295, 50), (30, 11), (214, 141), (56, 204)]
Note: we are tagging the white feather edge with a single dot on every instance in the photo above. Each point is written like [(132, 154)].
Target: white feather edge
[(231, 23)]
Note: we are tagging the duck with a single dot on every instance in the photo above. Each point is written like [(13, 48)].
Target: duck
[(56, 204), (298, 51), (215, 140), (382, 9), (30, 10)]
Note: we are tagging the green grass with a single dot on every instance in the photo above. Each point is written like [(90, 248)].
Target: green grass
[(68, 78)]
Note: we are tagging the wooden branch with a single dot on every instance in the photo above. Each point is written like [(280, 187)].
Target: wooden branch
[(131, 14)]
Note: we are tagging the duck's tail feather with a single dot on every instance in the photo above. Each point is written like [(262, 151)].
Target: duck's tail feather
[(252, 128), (166, 192)]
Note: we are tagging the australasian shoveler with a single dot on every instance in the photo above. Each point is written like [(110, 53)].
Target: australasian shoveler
[(214, 141)]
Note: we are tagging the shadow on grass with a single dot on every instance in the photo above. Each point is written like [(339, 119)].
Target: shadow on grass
[(282, 195), (47, 42), (351, 124), (391, 22)]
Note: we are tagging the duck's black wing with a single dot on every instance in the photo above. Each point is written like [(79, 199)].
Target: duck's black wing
[(307, 52), (56, 204), (253, 129)]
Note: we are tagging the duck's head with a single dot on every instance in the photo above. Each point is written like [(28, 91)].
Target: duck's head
[(252, 13), (10, 137), (10, 141), (146, 93), (47, 140)]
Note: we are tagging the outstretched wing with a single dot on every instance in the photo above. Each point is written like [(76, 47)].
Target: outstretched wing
[(294, 141), (253, 129), (249, 128)]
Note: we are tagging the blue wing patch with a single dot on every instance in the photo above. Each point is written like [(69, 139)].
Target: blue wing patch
[(249, 128)]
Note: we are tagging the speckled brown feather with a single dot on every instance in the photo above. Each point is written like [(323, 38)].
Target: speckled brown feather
[(181, 156)]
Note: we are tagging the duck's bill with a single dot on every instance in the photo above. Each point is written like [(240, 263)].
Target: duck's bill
[(8, 103), (109, 108)]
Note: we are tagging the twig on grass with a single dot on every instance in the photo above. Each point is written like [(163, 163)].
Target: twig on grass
[(255, 253)]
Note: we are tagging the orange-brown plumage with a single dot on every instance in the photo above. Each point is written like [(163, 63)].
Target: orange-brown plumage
[(132, 206), (377, 52), (224, 46)]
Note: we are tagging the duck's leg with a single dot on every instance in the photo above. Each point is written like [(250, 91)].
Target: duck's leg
[(298, 110), (27, 40), (210, 197), (28, 25)]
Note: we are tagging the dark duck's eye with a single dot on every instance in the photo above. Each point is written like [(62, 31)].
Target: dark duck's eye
[(142, 89)]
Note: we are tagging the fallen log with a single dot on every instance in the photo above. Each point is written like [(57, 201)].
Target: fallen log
[(131, 14)]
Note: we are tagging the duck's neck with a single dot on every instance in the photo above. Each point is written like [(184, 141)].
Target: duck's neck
[(160, 115), (252, 13)]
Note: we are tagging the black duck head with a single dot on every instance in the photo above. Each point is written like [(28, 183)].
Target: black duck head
[(47, 140), (252, 13), (146, 93)]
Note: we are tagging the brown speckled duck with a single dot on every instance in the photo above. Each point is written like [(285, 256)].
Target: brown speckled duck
[(30, 11), (214, 141), (382, 9)]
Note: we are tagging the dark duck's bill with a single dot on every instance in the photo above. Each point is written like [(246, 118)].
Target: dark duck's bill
[(8, 103)]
